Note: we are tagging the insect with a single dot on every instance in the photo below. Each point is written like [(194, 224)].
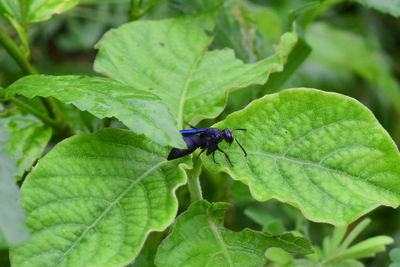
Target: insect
[(206, 138)]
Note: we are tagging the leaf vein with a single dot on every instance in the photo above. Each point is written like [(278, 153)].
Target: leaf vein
[(120, 196)]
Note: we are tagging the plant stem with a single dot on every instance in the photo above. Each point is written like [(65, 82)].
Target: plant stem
[(11, 47), (31, 110), (194, 183), (23, 14)]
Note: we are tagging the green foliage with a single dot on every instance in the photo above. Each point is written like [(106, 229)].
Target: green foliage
[(36, 10), (97, 195), (336, 249), (199, 239), (139, 110), (184, 78), (110, 197), (395, 257), (23, 139), (330, 184), (391, 7), (342, 49)]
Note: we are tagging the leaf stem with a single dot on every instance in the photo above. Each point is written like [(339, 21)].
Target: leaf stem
[(21, 104), (194, 183), (12, 48)]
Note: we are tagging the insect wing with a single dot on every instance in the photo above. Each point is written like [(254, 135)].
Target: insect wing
[(192, 131)]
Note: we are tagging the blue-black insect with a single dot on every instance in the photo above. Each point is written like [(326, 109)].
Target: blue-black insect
[(207, 138)]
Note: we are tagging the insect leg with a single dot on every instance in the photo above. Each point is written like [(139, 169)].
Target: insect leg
[(202, 150), (226, 155), (244, 151), (214, 158)]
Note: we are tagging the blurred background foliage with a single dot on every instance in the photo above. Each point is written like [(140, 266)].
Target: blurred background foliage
[(349, 47)]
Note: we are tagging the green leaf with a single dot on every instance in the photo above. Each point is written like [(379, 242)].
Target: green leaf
[(22, 141), (198, 238), (391, 7), (93, 199), (342, 263), (367, 248), (279, 256), (270, 224), (229, 33), (354, 233), (25, 139), (323, 153), (79, 121), (139, 110), (331, 243), (304, 14), (345, 50), (37, 10), (171, 58), (10, 8), (295, 57), (395, 255)]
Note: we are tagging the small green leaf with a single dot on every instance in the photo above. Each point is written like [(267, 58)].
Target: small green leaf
[(37, 10), (354, 233), (170, 58), (139, 110), (367, 248), (278, 255), (391, 7), (323, 153), (93, 199), (198, 238)]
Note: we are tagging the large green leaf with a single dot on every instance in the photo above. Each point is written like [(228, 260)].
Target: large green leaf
[(391, 7), (198, 238), (23, 139), (36, 10), (170, 57), (139, 110), (93, 199), (324, 153), (345, 50)]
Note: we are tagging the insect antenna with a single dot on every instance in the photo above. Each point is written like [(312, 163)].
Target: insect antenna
[(239, 129)]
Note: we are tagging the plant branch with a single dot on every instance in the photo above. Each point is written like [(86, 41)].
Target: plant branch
[(11, 47), (194, 183)]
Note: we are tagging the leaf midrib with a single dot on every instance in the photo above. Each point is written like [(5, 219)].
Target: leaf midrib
[(220, 240), (186, 86), (112, 204)]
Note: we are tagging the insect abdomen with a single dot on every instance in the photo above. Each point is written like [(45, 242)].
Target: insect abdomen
[(192, 141)]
